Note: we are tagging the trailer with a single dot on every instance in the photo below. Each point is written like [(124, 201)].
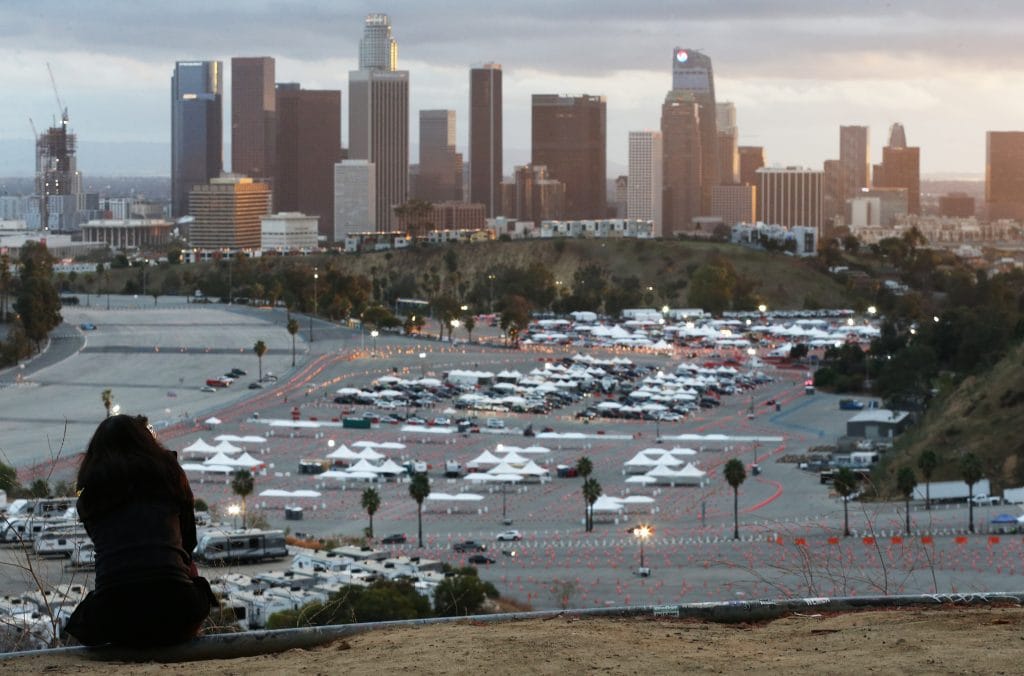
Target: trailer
[(61, 541), (247, 545), (951, 491)]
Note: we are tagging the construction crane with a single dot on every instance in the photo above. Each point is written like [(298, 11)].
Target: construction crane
[(35, 134), (60, 104)]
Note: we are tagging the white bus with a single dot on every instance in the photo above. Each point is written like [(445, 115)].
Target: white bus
[(247, 545)]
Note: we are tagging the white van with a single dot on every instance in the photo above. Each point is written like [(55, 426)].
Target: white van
[(495, 424)]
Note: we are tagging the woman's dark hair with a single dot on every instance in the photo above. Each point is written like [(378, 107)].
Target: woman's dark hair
[(125, 462)]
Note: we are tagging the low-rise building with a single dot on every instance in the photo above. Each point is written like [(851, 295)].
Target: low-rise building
[(289, 231)]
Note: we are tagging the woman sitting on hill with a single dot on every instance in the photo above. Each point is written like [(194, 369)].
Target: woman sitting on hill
[(137, 507)]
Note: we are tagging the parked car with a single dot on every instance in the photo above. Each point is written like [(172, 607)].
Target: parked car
[(207, 388), (481, 559), (255, 386), (850, 405), (510, 536), (87, 326), (393, 539), (495, 424), (469, 546), (983, 499)]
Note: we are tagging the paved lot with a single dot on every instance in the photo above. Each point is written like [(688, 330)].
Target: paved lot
[(155, 359)]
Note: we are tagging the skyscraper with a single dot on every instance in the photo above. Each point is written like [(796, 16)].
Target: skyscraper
[(900, 168), (790, 196), (485, 140), (1004, 174), (227, 213), (354, 198), (854, 159), (440, 178), (308, 145), (253, 116), (58, 182), (377, 49), (568, 137), (196, 128), (644, 200), (378, 118), (728, 143), (681, 138), (692, 73), (751, 159)]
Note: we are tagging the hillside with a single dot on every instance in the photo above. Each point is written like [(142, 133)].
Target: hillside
[(982, 415), (661, 269)]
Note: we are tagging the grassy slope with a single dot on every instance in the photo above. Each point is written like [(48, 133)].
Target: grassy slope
[(984, 414), (783, 281)]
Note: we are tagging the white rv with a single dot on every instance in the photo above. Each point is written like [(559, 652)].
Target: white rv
[(247, 545), (62, 541)]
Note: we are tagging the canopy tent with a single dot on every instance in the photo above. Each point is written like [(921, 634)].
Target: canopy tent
[(363, 465), (390, 467), (199, 447), (513, 458), (343, 452), (207, 469), (227, 447), (346, 475), (642, 479), (606, 504), (484, 459), (533, 469), (246, 460), (220, 459), (370, 454), (247, 439), (536, 450), (457, 497), (278, 493), (504, 468), (212, 420)]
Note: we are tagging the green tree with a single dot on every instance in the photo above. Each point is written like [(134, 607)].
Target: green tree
[(382, 601), (40, 488), (735, 474), (371, 503), (927, 462), (515, 317), (470, 323), (5, 284), (37, 302), (591, 492), (419, 489), (845, 483), (8, 479), (260, 348), (584, 467), (970, 470), (107, 397), (293, 328), (242, 485), (711, 287), (462, 594), (906, 481)]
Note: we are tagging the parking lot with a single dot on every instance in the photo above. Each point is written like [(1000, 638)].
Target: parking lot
[(790, 526)]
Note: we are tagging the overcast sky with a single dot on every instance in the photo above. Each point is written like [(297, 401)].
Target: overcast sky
[(796, 69)]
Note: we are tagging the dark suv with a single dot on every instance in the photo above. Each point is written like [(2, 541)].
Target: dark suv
[(469, 546), (393, 539)]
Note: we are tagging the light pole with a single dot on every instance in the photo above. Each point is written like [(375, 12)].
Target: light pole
[(490, 294), (867, 355), (454, 324), (233, 510), (642, 533), (423, 365), (374, 335), (316, 276), (230, 300), (145, 264)]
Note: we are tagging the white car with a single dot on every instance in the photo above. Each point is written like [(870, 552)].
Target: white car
[(510, 535), (986, 499), (495, 424)]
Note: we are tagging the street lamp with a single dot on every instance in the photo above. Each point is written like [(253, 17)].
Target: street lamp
[(642, 533), (234, 510), (374, 335), (423, 364), (454, 324), (316, 276), (762, 308), (490, 293)]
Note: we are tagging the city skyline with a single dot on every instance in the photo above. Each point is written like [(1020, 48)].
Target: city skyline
[(872, 65)]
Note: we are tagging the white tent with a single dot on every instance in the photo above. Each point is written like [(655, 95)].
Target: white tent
[(481, 477), (343, 452), (227, 447), (536, 450), (504, 468), (278, 493), (246, 460), (199, 447), (391, 446), (366, 444), (212, 420), (641, 479), (247, 439), (606, 504), (485, 458), (370, 454), (513, 458), (220, 459), (390, 467), (682, 451), (363, 465), (533, 469), (208, 469)]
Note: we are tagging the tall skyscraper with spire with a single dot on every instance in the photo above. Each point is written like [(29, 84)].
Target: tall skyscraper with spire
[(692, 73), (196, 128), (485, 141), (378, 118), (900, 168)]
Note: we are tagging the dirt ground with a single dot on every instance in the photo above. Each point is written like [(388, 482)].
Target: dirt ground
[(926, 641)]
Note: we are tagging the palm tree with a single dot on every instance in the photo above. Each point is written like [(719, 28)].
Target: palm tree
[(242, 485), (905, 484), (845, 483), (735, 474), (370, 502), (293, 328), (591, 492), (584, 467), (970, 470), (260, 348), (927, 463), (469, 323), (419, 489), (107, 397)]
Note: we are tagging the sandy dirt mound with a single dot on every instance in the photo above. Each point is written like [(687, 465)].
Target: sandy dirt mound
[(949, 640)]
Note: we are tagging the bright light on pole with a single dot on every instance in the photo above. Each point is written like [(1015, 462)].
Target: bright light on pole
[(423, 364), (374, 335), (234, 511), (316, 276), (641, 533)]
